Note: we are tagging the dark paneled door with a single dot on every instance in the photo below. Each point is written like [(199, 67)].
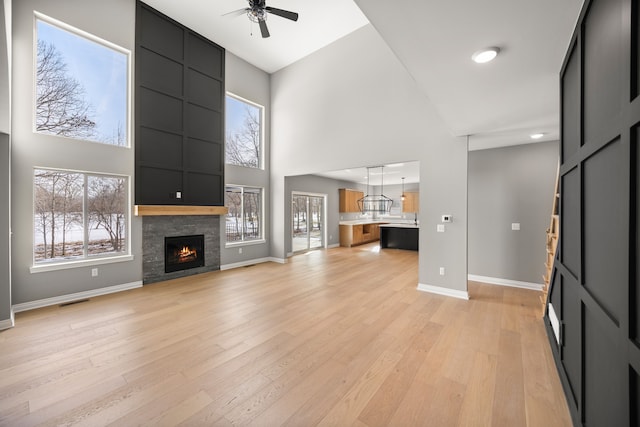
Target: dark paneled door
[(594, 292)]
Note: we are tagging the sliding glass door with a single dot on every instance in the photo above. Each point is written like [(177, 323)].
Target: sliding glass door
[(308, 221)]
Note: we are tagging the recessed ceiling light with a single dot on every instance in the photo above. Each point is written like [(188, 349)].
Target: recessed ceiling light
[(485, 55), (537, 135)]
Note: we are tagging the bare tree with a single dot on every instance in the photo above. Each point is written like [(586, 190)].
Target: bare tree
[(106, 205), (57, 197), (61, 107), (243, 147)]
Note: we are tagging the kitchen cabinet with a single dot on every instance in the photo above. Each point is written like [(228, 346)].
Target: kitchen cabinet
[(358, 234), (348, 200), (411, 203)]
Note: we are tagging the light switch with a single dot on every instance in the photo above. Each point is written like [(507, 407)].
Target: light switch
[(447, 218), (515, 226), (178, 194), (440, 228)]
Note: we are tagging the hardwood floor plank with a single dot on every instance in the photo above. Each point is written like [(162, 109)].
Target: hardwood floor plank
[(480, 392), (333, 337), (347, 410), (386, 400), (508, 402)]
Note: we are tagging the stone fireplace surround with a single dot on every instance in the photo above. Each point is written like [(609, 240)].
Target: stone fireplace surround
[(156, 228)]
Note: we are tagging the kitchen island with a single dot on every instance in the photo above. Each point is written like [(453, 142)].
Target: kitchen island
[(399, 236)]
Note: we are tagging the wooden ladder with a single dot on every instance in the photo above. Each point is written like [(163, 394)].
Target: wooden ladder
[(552, 243)]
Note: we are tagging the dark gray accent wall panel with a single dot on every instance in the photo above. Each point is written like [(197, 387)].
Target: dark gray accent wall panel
[(571, 108), (605, 372), (179, 114), (167, 76), (570, 221), (634, 392), (572, 344), (635, 236), (603, 68), (159, 34), (599, 355), (603, 208)]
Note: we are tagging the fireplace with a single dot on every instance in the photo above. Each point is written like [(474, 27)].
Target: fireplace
[(183, 252)]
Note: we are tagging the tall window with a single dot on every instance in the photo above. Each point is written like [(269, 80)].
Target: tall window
[(79, 216), (81, 85), (243, 139), (244, 220)]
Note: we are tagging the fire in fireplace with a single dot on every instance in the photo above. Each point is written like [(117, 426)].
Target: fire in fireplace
[(183, 252)]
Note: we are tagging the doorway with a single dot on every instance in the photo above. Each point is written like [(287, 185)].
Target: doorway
[(308, 221)]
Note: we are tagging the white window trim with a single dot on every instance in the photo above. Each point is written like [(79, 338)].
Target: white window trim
[(262, 132), (63, 264), (66, 27), (262, 239)]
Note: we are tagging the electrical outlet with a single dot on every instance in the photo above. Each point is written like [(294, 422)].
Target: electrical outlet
[(94, 272), (440, 228), (442, 271), (515, 226)]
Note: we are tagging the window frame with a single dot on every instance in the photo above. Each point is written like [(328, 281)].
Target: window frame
[(243, 242), (261, 108), (38, 16), (86, 260)]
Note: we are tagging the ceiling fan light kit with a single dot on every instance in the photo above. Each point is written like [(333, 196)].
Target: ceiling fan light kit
[(258, 12)]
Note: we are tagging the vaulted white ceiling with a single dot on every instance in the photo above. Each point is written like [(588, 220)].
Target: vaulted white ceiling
[(499, 103)]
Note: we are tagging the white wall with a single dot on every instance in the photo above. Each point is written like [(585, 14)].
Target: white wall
[(114, 21), (353, 104)]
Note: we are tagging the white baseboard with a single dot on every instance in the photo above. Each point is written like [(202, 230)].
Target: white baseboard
[(8, 323), (335, 245), (17, 308), (252, 262), (439, 290), (506, 282)]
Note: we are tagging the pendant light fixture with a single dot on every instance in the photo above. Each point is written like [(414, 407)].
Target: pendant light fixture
[(402, 196), (375, 203)]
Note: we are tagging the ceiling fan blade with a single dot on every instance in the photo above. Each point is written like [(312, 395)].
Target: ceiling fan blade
[(283, 13), (263, 29), (237, 12)]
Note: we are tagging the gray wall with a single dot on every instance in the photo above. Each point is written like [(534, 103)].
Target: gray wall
[(507, 185), (245, 80), (5, 236), (5, 66), (5, 162), (113, 21), (332, 112)]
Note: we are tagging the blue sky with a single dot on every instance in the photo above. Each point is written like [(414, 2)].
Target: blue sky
[(235, 110), (101, 71)]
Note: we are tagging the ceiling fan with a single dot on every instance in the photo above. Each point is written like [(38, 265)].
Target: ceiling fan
[(258, 11)]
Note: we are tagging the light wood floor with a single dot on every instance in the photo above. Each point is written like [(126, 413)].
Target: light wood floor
[(334, 338)]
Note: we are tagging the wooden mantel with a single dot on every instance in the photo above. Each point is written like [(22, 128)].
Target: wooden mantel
[(170, 210)]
